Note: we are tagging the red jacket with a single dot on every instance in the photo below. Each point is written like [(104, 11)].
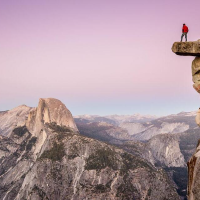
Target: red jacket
[(185, 29)]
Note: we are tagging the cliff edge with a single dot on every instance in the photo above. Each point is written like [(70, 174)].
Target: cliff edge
[(187, 48)]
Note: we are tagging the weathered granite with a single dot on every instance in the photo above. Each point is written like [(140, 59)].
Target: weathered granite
[(187, 48), (49, 110), (197, 119), (193, 175), (190, 49), (13, 118), (196, 74)]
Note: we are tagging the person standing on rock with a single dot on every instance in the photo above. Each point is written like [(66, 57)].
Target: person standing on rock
[(184, 32)]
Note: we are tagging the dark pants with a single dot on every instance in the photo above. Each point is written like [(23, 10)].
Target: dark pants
[(185, 37)]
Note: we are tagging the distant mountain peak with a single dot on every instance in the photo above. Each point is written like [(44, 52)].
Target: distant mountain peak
[(50, 110)]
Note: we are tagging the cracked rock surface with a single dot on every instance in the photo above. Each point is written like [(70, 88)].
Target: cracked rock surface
[(187, 48)]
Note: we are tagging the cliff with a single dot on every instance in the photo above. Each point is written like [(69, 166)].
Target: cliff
[(49, 111), (193, 175), (192, 49), (187, 48), (13, 118), (166, 151)]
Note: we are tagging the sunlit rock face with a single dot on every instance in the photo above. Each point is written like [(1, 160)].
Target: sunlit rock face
[(187, 48), (166, 151), (197, 119), (162, 150), (153, 130), (13, 118), (50, 111)]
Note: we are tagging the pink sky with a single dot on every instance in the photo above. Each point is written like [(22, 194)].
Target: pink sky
[(98, 57)]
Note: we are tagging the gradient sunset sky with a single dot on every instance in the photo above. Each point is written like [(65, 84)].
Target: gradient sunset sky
[(98, 56)]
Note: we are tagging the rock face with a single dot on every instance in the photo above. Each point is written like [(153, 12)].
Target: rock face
[(193, 177), (197, 119), (49, 159), (13, 118), (163, 128), (190, 49), (162, 150), (196, 74), (187, 48), (92, 170), (50, 111), (166, 151)]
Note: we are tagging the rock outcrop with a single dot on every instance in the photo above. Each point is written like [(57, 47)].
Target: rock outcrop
[(165, 151), (162, 150), (190, 49), (196, 74), (187, 48), (13, 118), (48, 159), (49, 111)]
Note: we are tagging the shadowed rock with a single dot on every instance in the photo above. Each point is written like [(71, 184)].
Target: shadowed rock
[(190, 49), (193, 177), (187, 48), (196, 74)]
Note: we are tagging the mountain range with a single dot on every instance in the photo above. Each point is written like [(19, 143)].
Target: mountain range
[(44, 154), (94, 156)]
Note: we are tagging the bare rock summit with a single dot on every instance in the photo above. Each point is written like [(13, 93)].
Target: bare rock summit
[(50, 111)]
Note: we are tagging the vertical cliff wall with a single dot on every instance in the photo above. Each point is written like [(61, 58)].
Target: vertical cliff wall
[(192, 49), (193, 175)]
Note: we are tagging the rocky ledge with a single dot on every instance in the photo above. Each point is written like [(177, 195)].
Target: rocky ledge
[(187, 48), (190, 49)]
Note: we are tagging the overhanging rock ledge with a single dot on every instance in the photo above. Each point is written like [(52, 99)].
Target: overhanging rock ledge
[(187, 48)]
